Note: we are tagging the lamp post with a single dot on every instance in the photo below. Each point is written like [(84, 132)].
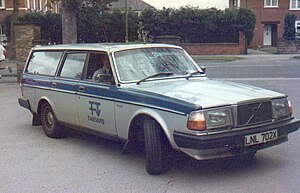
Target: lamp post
[(126, 21)]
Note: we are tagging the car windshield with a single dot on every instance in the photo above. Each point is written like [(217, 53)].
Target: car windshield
[(137, 64)]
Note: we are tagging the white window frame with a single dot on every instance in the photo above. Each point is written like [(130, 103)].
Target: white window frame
[(3, 4), (40, 5), (297, 25), (34, 5), (237, 3), (27, 4), (46, 5), (2, 30), (297, 5), (271, 5)]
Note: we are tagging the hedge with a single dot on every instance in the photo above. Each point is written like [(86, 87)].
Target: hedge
[(191, 24)]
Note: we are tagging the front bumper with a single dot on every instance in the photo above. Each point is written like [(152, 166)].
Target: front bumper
[(231, 142)]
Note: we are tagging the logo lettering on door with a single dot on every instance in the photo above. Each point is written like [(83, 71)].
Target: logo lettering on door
[(95, 109)]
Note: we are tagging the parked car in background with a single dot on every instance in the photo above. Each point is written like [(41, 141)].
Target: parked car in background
[(153, 96)]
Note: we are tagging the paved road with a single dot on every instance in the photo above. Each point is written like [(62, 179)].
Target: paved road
[(277, 72), (31, 162)]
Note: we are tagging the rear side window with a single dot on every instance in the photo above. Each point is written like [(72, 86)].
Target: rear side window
[(73, 65), (44, 62)]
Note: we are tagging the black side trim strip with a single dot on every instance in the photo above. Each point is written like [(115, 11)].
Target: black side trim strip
[(110, 99)]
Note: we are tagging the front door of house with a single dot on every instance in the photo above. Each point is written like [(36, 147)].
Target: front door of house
[(267, 35)]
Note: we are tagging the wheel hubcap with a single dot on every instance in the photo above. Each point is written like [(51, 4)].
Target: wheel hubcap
[(50, 118)]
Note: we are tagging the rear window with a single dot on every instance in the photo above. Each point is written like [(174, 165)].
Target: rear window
[(44, 62)]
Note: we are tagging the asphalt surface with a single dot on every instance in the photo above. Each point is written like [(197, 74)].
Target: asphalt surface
[(31, 162)]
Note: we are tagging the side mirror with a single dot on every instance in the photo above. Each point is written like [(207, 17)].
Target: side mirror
[(203, 68), (78, 75)]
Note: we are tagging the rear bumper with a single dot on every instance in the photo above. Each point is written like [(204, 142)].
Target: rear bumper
[(24, 103), (230, 143)]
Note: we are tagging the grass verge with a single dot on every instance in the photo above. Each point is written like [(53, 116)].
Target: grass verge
[(271, 50), (216, 58)]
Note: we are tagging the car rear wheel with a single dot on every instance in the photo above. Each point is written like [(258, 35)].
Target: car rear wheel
[(155, 148), (49, 122)]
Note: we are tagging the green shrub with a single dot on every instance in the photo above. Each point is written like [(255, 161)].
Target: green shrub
[(50, 25), (289, 26), (97, 26), (191, 24), (200, 25)]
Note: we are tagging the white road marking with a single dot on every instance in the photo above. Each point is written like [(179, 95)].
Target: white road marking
[(243, 66), (259, 78)]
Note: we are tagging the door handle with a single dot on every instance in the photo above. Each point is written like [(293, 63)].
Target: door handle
[(54, 84), (81, 88)]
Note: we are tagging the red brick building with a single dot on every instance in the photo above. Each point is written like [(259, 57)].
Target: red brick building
[(6, 8), (270, 16)]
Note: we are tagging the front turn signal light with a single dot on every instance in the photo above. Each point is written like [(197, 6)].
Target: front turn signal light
[(290, 108), (196, 121)]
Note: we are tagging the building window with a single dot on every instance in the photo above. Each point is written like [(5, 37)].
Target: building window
[(234, 3), (271, 3), (295, 4), (2, 30), (2, 3), (297, 26)]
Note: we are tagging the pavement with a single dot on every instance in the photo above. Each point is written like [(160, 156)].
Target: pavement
[(7, 75), (11, 76)]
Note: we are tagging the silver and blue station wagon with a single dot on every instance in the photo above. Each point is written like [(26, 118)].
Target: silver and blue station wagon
[(152, 96)]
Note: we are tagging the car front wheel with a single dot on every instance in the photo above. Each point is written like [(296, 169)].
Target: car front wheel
[(155, 148)]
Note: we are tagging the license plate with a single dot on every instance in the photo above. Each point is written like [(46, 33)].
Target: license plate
[(260, 138)]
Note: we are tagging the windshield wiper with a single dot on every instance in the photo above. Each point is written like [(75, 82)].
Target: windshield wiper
[(189, 75), (155, 75)]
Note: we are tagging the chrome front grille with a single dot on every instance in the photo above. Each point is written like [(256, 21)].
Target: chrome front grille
[(254, 113)]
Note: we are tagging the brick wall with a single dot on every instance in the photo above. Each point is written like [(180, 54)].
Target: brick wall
[(268, 15), (288, 46), (217, 48), (26, 35)]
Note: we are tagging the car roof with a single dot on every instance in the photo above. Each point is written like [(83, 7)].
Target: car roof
[(107, 47)]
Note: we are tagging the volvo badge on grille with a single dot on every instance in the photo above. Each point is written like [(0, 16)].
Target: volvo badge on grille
[(255, 113)]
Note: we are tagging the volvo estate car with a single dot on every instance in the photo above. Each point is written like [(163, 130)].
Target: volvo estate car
[(152, 96)]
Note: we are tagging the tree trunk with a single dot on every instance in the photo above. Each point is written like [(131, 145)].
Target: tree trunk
[(69, 25), (13, 20)]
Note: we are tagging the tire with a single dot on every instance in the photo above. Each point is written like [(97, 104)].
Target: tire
[(49, 122), (155, 148)]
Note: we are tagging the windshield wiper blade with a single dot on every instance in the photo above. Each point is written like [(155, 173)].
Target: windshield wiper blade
[(193, 73), (155, 75)]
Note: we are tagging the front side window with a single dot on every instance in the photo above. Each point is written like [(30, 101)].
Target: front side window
[(44, 62), (295, 4), (137, 64), (73, 65), (99, 68), (271, 3)]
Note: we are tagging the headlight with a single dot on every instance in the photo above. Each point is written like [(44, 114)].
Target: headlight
[(281, 108), (210, 119)]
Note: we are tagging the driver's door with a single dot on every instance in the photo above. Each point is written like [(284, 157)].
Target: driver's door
[(96, 99)]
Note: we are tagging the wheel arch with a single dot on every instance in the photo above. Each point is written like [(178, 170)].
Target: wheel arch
[(135, 126), (42, 101)]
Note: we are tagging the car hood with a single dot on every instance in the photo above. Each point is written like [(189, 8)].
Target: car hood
[(208, 93)]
